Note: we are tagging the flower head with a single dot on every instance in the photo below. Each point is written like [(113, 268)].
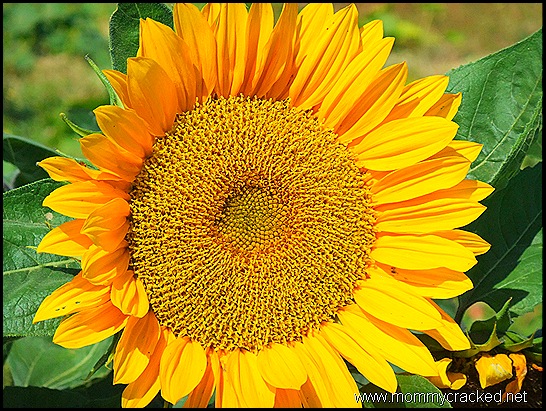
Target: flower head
[(269, 202)]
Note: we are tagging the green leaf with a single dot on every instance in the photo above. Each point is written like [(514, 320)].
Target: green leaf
[(512, 224), (28, 277), (501, 107), (124, 29), (38, 362), (24, 154)]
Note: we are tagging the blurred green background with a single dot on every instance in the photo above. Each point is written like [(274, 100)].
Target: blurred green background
[(45, 72)]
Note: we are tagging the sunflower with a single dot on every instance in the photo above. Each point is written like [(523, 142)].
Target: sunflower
[(268, 204)]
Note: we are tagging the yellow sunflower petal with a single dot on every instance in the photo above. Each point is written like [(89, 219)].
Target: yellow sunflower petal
[(397, 345), (66, 240), (76, 295), (423, 217), (279, 51), (471, 241), (493, 369), (371, 32), (401, 143), (108, 156), (250, 387), (225, 396), (445, 379), (108, 225), (354, 81), (135, 348), (336, 47), (78, 200), (192, 26), (182, 367), (144, 78), (436, 283), (259, 28), (395, 303), (100, 267), (421, 252), (373, 367), (449, 335), (280, 367), (160, 43), (126, 129), (467, 149), (520, 367), (311, 21), (90, 326), (315, 393), (143, 390), (328, 373), (118, 80), (427, 91), (420, 179), (468, 189), (374, 104), (201, 394), (231, 40), (129, 295), (68, 169), (446, 106)]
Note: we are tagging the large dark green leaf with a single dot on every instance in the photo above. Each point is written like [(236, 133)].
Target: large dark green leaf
[(28, 277), (38, 362), (512, 268), (124, 29), (24, 154), (501, 107)]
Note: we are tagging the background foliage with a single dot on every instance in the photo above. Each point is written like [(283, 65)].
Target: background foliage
[(502, 109)]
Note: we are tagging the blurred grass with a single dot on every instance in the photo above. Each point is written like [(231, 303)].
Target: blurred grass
[(45, 72)]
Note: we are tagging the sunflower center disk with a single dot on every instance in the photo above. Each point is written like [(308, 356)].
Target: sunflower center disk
[(249, 224)]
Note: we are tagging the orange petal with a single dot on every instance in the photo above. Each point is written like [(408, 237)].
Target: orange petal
[(78, 200), (231, 40), (100, 267), (107, 155), (90, 326), (182, 368), (68, 169), (118, 80), (66, 240), (445, 379), (129, 295), (401, 143), (108, 225), (126, 129), (143, 390), (192, 26), (449, 335), (202, 393), (76, 295), (493, 369), (278, 52), (152, 93), (446, 106), (160, 43), (135, 348)]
